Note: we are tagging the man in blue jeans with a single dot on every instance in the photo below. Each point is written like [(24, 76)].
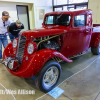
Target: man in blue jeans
[(14, 29), (4, 23)]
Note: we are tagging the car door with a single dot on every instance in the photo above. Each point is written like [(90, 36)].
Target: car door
[(78, 36)]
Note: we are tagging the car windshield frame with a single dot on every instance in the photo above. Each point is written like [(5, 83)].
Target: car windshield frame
[(58, 19)]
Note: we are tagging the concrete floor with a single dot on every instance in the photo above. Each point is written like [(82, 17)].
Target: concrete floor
[(80, 80)]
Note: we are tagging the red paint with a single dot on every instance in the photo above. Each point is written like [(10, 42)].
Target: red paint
[(74, 40), (43, 31)]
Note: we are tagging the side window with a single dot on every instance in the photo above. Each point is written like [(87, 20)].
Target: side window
[(79, 20)]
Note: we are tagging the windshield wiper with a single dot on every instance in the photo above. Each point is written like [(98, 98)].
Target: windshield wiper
[(58, 17)]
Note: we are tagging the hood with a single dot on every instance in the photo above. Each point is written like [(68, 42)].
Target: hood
[(46, 31)]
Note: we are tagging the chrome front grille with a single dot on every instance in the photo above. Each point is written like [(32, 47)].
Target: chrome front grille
[(21, 46)]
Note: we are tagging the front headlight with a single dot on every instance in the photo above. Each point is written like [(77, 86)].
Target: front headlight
[(30, 48), (14, 43)]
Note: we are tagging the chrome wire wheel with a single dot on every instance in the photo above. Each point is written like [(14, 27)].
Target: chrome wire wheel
[(50, 76)]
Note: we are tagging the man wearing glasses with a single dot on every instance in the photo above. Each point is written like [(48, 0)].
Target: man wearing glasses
[(4, 23)]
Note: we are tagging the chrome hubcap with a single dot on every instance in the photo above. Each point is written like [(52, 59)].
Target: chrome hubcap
[(50, 77)]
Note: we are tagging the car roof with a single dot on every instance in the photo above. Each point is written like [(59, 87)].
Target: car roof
[(70, 12)]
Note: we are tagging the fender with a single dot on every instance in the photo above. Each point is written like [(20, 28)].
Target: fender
[(8, 50), (95, 39), (35, 63), (44, 55)]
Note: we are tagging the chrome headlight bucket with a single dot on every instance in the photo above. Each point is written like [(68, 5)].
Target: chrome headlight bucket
[(14, 43), (11, 63), (30, 48)]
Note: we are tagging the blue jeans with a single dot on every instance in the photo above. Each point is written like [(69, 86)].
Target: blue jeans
[(13, 36), (4, 41)]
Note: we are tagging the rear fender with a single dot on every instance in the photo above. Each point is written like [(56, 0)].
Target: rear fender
[(95, 39)]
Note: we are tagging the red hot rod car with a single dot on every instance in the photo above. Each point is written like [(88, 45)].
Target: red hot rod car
[(38, 52)]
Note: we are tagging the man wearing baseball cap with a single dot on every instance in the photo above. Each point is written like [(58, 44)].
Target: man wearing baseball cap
[(14, 29), (4, 23)]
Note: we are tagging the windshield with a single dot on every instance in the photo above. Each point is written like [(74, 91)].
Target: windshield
[(61, 19)]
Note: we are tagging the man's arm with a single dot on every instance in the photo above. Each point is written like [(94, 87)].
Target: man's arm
[(22, 26), (8, 29)]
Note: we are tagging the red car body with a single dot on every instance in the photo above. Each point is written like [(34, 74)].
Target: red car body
[(73, 40)]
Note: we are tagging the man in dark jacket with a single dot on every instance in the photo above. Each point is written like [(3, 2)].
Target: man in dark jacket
[(14, 29)]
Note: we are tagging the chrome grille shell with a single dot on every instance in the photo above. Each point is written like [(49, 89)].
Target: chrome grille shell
[(21, 47)]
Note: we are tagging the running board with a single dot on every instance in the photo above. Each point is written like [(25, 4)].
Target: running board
[(77, 55)]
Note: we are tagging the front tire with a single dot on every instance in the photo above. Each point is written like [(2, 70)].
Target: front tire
[(48, 77)]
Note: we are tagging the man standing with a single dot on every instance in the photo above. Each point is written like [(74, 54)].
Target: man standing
[(4, 23), (14, 29)]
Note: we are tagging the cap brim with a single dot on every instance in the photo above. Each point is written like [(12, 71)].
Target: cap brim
[(6, 16)]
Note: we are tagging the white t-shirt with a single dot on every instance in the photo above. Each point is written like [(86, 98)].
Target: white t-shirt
[(3, 29)]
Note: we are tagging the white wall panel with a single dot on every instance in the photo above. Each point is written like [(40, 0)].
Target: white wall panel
[(95, 6), (33, 5)]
